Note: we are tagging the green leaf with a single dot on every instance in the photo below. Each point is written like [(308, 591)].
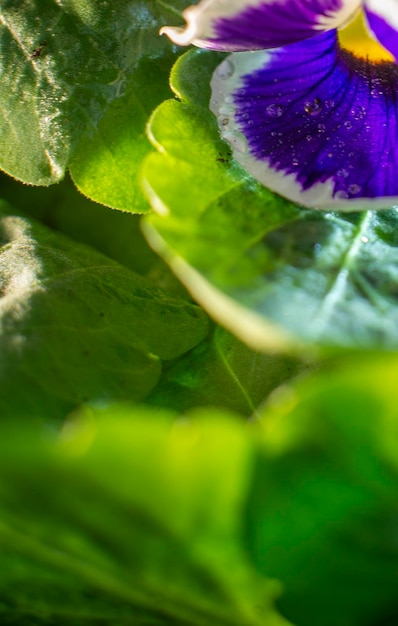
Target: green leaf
[(62, 66), (106, 163), (114, 233), (323, 510), (78, 327), (139, 524), (277, 276), (221, 371)]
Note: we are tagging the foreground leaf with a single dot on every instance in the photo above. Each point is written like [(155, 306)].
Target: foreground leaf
[(323, 509), (78, 327), (140, 523), (277, 276), (62, 66)]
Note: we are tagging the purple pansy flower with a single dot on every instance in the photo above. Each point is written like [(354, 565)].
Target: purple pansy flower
[(306, 117)]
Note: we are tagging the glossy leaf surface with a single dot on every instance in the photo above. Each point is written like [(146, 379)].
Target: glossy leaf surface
[(276, 275)]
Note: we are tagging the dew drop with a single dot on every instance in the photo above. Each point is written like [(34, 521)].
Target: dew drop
[(295, 162), (313, 108), (358, 112), (348, 124), (354, 189), (309, 137), (321, 128), (223, 120), (236, 140), (342, 173), (341, 194), (225, 70), (226, 109), (274, 110), (364, 239)]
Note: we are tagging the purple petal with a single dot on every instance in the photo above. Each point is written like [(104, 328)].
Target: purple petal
[(313, 122), (234, 25), (382, 18)]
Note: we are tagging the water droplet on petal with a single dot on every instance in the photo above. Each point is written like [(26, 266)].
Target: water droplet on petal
[(223, 120), (358, 112), (274, 110), (313, 108), (348, 124), (236, 140), (354, 189), (225, 70), (226, 109)]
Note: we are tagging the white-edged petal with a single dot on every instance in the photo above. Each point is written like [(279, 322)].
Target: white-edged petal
[(382, 18), (313, 123), (234, 25)]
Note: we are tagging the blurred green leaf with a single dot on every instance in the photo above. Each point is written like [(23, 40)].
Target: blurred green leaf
[(221, 371), (276, 276), (63, 65), (140, 522), (323, 511), (78, 327)]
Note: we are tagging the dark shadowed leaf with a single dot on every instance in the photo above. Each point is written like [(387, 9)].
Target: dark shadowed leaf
[(323, 511), (222, 371), (78, 327)]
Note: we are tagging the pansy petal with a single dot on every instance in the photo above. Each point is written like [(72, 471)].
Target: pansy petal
[(382, 17), (313, 122), (234, 25)]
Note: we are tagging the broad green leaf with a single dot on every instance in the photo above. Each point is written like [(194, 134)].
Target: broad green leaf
[(276, 275), (221, 371), (78, 327), (114, 233), (140, 522), (323, 510), (107, 160), (63, 64)]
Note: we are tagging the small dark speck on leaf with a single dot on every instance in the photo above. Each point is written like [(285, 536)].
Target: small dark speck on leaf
[(102, 314), (37, 52), (85, 352)]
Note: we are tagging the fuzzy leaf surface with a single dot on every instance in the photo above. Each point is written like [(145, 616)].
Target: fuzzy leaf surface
[(78, 327), (63, 65)]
